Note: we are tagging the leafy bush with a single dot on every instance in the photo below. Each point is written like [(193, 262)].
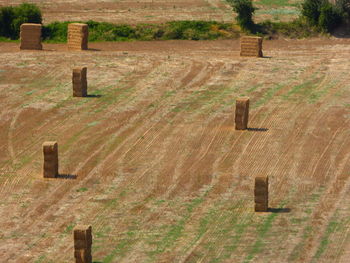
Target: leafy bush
[(6, 16), (149, 31), (329, 17), (101, 31), (11, 18), (297, 28), (194, 30), (311, 10), (25, 13), (56, 31), (245, 11), (343, 6), (321, 14)]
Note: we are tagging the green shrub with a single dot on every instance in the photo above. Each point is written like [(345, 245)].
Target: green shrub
[(297, 28), (25, 13), (311, 10), (321, 14), (343, 7), (6, 16), (245, 11), (329, 17), (56, 32), (149, 31), (11, 18), (193, 30)]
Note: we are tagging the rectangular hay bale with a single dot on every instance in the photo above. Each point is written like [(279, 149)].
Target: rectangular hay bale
[(261, 194), (30, 36), (50, 166), (82, 236), (79, 80), (242, 113), (77, 37), (251, 44)]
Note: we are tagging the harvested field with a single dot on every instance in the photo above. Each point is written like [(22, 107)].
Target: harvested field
[(154, 11), (152, 161)]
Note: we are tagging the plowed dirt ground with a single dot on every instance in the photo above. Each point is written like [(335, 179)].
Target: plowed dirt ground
[(152, 161)]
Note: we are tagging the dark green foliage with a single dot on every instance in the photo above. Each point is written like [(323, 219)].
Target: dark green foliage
[(6, 17), (297, 28), (245, 11), (321, 14), (343, 6), (311, 9), (25, 13), (329, 18), (11, 18), (109, 32), (192, 30), (149, 31), (56, 32)]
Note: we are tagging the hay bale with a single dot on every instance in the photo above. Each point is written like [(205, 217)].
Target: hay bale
[(82, 236), (30, 35), (82, 256), (78, 35), (79, 80), (261, 194), (50, 167), (242, 113), (251, 47)]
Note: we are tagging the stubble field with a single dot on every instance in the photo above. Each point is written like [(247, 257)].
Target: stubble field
[(155, 11), (161, 174)]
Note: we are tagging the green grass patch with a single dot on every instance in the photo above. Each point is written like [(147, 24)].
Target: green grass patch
[(56, 32), (262, 230), (41, 259), (310, 202), (267, 96), (309, 90), (206, 97), (270, 3), (335, 225), (227, 233), (5, 39), (82, 189), (69, 229), (298, 28), (175, 231)]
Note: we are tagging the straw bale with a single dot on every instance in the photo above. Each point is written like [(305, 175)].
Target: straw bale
[(78, 35), (261, 208), (260, 191), (50, 166), (82, 236), (31, 26), (82, 256), (261, 194), (82, 244), (79, 80), (30, 35), (242, 113), (82, 231), (251, 46)]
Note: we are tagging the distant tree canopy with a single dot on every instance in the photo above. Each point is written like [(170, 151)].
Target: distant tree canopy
[(11, 18), (322, 14), (245, 11), (344, 8)]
